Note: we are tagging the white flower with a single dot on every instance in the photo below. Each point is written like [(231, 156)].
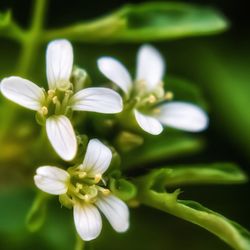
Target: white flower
[(147, 94), (54, 106), (83, 188)]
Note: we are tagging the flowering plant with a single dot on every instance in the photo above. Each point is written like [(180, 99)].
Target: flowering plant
[(112, 157)]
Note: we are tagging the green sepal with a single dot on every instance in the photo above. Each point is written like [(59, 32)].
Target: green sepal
[(65, 201), (122, 188), (80, 78), (114, 167), (37, 213), (40, 119)]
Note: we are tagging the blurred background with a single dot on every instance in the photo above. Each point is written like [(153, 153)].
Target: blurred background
[(219, 65)]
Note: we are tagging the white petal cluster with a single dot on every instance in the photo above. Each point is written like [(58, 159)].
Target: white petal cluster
[(53, 106), (84, 188), (148, 89)]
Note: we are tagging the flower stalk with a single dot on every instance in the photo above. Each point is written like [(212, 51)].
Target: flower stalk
[(30, 45)]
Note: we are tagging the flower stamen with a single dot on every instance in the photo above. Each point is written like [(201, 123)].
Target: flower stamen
[(81, 175), (43, 111), (169, 96), (97, 178)]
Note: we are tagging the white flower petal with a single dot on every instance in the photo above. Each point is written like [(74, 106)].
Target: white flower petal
[(148, 123), (184, 116), (150, 66), (59, 62), (116, 72), (100, 100), (88, 221), (52, 180), (22, 92), (116, 212), (62, 136), (97, 158)]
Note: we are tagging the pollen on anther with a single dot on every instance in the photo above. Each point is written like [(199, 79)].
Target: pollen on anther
[(44, 110), (55, 99), (151, 99), (98, 177), (82, 174), (105, 191), (169, 95), (51, 93), (78, 187), (86, 197)]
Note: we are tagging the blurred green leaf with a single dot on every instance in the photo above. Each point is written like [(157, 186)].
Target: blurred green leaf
[(184, 90), (169, 146), (146, 22), (153, 194), (227, 89), (158, 21), (216, 173), (14, 204), (37, 213)]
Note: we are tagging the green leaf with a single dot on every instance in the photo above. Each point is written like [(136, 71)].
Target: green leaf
[(146, 22), (158, 21), (216, 173), (37, 213), (151, 193), (229, 231), (169, 146)]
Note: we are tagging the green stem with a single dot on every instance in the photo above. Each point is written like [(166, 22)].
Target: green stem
[(79, 245), (225, 229), (32, 39)]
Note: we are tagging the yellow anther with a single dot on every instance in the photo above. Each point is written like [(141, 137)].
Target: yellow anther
[(169, 95), (55, 99), (68, 92), (86, 197), (98, 177), (152, 99), (105, 191), (43, 110), (156, 111), (82, 175), (51, 93), (78, 187)]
